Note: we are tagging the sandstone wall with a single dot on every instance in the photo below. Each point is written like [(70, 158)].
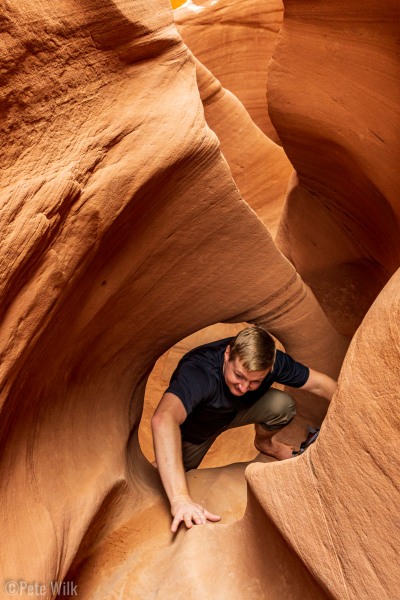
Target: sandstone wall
[(234, 39), (333, 90), (122, 232), (337, 505)]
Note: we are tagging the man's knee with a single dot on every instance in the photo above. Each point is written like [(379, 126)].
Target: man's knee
[(282, 409)]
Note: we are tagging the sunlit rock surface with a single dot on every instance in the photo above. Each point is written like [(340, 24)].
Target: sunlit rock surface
[(123, 231), (235, 40)]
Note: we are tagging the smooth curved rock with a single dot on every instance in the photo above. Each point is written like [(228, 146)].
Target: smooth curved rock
[(337, 505), (259, 167), (235, 39), (322, 525), (333, 93), (113, 220), (122, 232)]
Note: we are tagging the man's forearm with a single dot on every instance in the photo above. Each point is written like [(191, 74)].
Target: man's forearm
[(325, 387), (320, 384), (168, 451)]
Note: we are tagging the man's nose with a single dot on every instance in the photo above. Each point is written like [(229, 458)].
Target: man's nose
[(244, 386)]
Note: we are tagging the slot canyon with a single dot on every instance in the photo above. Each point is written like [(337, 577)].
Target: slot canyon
[(169, 174)]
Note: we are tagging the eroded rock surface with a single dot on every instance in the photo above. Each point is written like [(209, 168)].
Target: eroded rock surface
[(333, 89), (123, 231), (337, 504), (234, 39)]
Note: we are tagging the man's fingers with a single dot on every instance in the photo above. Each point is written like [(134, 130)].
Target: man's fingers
[(187, 517), (175, 524), (199, 519), (191, 514), (210, 517)]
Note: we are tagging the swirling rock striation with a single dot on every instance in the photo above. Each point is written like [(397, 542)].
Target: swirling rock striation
[(234, 39)]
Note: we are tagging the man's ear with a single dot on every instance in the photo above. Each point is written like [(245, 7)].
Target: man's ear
[(227, 353)]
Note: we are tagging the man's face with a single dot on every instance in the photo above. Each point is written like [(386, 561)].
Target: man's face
[(238, 379)]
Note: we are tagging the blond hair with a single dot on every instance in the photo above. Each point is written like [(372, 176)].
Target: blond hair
[(254, 347)]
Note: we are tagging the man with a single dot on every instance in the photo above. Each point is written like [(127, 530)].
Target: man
[(220, 386)]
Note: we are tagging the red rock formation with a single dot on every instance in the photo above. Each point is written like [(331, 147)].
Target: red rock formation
[(333, 94), (259, 167), (234, 39), (123, 231), (337, 505), (319, 526)]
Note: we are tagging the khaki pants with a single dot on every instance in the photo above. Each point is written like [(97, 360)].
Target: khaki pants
[(272, 411)]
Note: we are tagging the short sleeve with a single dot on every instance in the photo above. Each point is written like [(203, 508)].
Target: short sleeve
[(191, 384), (290, 372)]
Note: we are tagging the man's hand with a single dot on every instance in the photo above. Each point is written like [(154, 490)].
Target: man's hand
[(184, 509)]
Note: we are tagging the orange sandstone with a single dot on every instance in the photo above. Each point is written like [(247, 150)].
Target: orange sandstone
[(124, 231)]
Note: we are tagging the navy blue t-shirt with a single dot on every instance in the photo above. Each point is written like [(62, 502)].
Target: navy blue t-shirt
[(199, 383)]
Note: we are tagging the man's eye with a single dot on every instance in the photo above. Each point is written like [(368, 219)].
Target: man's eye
[(239, 376)]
